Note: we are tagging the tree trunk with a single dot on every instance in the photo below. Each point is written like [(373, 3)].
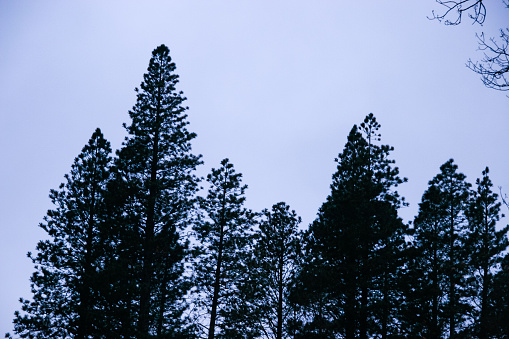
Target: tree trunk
[(350, 316), (435, 297), (84, 317), (483, 329), (217, 281), (363, 321), (163, 296), (452, 278), (147, 270), (279, 333)]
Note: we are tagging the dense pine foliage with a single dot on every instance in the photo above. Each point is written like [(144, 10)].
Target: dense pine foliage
[(137, 249)]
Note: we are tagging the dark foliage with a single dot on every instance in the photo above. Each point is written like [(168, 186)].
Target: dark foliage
[(486, 245), (118, 262), (155, 175), (272, 267), (439, 265), (68, 265), (348, 279), (224, 231)]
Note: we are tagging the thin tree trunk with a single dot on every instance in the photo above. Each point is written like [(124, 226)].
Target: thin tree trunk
[(452, 277), (483, 329), (385, 305), (364, 276), (146, 279), (217, 280), (163, 297), (147, 270), (363, 323), (84, 318), (350, 316), (434, 307), (215, 297), (279, 333)]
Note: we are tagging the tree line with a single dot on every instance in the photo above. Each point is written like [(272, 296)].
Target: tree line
[(137, 249)]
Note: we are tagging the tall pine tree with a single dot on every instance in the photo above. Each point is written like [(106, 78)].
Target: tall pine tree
[(65, 300), (441, 247), (487, 245), (354, 240), (155, 170), (224, 231), (272, 269), (498, 315)]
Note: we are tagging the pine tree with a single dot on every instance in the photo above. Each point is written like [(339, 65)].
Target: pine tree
[(440, 244), (272, 269), (65, 299), (224, 232), (357, 233), (498, 315), (486, 244), (155, 172)]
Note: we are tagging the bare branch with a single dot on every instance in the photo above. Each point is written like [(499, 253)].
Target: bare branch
[(475, 10), (494, 67), (504, 197)]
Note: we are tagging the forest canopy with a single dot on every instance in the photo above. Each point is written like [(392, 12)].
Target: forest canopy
[(137, 248)]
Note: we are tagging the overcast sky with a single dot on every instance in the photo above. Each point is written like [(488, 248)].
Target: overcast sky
[(273, 85)]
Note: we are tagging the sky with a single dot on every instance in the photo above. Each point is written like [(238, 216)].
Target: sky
[(275, 86)]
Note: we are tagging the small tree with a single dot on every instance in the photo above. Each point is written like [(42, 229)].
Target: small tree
[(440, 241), (64, 285), (224, 231), (272, 270), (486, 245), (498, 315)]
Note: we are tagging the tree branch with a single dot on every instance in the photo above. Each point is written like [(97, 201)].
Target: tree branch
[(474, 8), (494, 67)]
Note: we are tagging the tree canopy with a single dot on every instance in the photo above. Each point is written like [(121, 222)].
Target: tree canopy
[(136, 248)]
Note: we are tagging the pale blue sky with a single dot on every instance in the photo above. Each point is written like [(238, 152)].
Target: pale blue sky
[(273, 85)]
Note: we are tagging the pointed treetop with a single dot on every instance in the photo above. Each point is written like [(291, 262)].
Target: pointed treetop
[(369, 126)]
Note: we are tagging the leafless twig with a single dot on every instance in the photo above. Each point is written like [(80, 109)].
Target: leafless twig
[(504, 197), (475, 10), (494, 67)]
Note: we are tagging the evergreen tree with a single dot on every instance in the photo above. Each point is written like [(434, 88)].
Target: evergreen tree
[(224, 232), (487, 245), (416, 289), (354, 241), (498, 310), (441, 248), (155, 173), (117, 282), (272, 269), (65, 300)]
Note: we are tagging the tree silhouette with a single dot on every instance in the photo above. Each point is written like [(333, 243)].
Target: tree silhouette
[(487, 245), (357, 233), (440, 242), (64, 300), (224, 232), (272, 269), (498, 319), (155, 171)]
